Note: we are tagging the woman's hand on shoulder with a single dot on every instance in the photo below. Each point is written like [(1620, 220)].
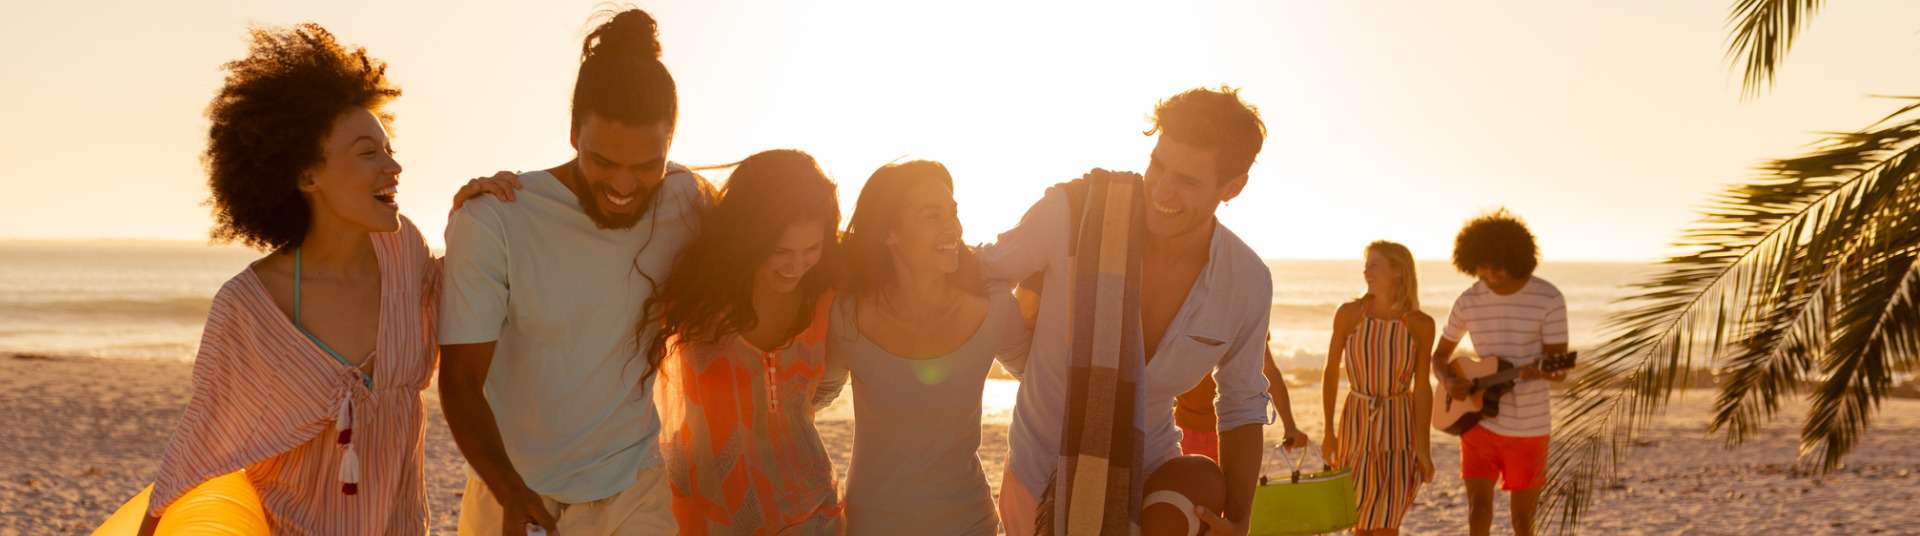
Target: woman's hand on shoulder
[(501, 185)]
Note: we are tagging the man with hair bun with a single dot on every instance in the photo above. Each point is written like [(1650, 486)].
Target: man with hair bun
[(545, 386)]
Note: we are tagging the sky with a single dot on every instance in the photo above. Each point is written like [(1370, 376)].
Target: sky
[(1606, 124)]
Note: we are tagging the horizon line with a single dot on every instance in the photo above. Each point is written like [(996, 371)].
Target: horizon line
[(181, 242)]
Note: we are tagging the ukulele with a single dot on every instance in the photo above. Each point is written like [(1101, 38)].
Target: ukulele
[(1491, 378)]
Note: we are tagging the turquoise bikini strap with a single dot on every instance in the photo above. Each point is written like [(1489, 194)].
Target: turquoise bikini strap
[(303, 329)]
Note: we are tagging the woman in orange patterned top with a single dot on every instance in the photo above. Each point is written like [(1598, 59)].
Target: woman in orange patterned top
[(741, 350)]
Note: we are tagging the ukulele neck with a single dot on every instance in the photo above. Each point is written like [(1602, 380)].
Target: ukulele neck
[(1498, 378), (1544, 364)]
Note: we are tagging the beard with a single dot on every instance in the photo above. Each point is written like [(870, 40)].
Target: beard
[(591, 195)]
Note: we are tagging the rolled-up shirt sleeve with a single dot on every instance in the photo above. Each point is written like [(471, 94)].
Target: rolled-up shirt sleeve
[(1016, 338), (1242, 398), (1458, 318), (474, 284), (1029, 246), (1553, 330)]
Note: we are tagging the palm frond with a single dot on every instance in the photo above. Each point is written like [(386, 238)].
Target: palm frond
[(1583, 457), (1776, 283), (1782, 347), (1769, 366), (1763, 32), (1873, 334)]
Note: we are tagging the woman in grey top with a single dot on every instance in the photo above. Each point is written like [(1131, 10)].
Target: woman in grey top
[(917, 330)]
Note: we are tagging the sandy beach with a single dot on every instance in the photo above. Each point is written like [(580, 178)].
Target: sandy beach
[(85, 434)]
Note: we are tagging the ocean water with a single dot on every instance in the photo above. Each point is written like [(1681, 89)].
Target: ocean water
[(1306, 294), (147, 300), (141, 300)]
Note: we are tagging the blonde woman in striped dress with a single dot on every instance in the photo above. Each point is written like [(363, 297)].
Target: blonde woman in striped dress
[(1382, 341)]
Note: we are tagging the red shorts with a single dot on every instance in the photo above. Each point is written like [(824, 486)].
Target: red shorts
[(1518, 463), (1201, 443)]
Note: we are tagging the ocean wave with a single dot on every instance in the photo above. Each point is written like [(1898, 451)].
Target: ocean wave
[(187, 309), (1308, 313), (1301, 310)]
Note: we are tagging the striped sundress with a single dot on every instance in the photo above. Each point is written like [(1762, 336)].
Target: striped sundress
[(1376, 426)]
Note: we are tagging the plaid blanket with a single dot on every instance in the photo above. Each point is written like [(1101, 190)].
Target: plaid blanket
[(1098, 486)]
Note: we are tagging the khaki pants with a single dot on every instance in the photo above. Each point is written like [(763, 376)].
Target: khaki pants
[(644, 509)]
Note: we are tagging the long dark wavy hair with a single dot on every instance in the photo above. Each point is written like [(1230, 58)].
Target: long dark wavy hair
[(709, 293), (869, 263)]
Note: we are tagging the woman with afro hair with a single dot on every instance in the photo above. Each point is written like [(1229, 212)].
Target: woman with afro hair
[(312, 362)]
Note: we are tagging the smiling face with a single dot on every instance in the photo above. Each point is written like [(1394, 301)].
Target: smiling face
[(620, 167), (926, 237), (1184, 187), (794, 254), (1382, 279), (357, 177)]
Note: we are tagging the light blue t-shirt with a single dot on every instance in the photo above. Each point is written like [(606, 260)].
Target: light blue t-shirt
[(562, 298)]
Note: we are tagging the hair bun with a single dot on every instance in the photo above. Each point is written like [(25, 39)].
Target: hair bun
[(628, 32)]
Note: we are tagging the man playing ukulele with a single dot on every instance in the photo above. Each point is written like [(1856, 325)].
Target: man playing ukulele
[(1517, 318)]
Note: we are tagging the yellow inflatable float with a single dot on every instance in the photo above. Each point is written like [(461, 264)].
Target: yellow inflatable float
[(224, 506)]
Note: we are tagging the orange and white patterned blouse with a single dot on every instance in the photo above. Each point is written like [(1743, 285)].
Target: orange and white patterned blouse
[(267, 399), (737, 434)]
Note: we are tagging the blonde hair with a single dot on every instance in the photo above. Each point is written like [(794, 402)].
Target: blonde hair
[(1401, 260)]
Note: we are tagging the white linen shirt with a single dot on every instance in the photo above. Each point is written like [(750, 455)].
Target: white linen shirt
[(1221, 329)]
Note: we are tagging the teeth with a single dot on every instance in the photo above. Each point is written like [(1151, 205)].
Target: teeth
[(1164, 209), (621, 200), (390, 190)]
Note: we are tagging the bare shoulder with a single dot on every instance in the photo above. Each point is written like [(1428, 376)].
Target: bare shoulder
[(1346, 314), (273, 268), (1421, 322)]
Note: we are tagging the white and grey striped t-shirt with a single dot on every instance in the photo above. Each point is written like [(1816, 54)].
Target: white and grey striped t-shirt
[(1514, 328)]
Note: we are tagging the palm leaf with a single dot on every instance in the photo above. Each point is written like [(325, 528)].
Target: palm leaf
[(1807, 270), (1873, 335), (1763, 31)]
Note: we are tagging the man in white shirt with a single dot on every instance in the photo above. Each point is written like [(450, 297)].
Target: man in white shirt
[(1205, 298), (542, 379)]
